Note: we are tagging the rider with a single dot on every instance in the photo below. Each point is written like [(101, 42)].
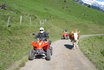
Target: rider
[(42, 35), (65, 34)]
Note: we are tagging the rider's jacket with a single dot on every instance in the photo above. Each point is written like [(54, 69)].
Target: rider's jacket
[(42, 36)]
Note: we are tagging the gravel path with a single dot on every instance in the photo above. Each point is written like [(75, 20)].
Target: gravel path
[(63, 58)]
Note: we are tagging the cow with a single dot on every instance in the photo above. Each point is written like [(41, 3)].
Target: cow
[(74, 37)]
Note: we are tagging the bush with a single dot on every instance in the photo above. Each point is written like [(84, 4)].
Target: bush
[(102, 52)]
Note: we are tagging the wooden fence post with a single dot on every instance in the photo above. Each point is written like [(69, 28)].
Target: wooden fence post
[(20, 19), (45, 21), (30, 20), (40, 22), (8, 21)]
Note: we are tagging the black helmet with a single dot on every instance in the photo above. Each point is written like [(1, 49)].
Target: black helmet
[(65, 30)]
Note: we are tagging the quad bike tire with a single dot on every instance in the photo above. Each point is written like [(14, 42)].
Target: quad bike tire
[(48, 55), (51, 50), (61, 38), (31, 55), (67, 38)]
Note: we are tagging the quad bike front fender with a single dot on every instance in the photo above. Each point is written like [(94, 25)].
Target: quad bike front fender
[(33, 43), (46, 45)]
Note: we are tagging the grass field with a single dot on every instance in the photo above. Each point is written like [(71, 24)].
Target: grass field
[(15, 41), (93, 48)]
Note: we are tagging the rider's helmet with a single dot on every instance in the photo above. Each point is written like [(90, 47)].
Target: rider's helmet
[(65, 30), (41, 29)]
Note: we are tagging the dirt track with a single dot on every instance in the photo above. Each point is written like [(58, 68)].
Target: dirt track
[(64, 58)]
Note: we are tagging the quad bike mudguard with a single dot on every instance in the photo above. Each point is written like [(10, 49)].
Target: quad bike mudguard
[(40, 44)]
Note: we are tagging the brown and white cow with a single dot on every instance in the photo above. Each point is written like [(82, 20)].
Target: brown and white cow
[(74, 37)]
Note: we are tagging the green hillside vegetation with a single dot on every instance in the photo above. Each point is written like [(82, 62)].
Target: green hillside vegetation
[(93, 48), (15, 41)]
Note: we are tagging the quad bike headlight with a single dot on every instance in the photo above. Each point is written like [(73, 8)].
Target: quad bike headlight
[(39, 43)]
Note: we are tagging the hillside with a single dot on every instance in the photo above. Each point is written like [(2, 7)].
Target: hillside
[(16, 40)]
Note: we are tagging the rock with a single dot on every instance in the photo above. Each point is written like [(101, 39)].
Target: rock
[(3, 7)]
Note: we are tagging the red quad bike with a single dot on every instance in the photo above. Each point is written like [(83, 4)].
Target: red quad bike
[(65, 36), (41, 48)]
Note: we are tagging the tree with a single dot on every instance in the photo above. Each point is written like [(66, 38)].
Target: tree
[(89, 6)]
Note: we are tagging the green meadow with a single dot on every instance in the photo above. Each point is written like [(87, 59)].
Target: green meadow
[(93, 48)]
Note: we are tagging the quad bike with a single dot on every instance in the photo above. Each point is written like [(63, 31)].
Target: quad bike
[(65, 36), (41, 48)]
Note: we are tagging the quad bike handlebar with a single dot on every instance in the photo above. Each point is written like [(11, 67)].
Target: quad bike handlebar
[(42, 39)]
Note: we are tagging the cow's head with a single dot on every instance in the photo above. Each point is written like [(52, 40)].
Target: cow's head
[(75, 34)]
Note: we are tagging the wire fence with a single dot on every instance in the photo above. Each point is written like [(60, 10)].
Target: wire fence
[(22, 19)]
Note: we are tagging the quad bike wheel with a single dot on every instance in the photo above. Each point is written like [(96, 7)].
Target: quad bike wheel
[(67, 37), (51, 50), (48, 55), (61, 38), (31, 55)]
